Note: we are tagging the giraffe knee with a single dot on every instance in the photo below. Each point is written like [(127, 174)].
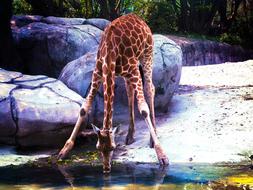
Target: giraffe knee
[(82, 112), (144, 113), (144, 110)]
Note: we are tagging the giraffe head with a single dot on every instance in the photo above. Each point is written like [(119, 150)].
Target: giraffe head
[(105, 145)]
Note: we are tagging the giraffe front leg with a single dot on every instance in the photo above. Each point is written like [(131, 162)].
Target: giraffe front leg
[(161, 155), (96, 81), (144, 110), (131, 129), (71, 141)]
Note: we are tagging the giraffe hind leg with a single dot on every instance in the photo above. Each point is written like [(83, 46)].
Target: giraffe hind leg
[(149, 91), (131, 129)]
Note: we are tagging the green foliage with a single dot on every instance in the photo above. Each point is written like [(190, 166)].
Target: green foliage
[(240, 32), (21, 7), (230, 38), (198, 17), (159, 15)]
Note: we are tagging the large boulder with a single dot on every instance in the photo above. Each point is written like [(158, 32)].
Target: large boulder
[(22, 20), (36, 110), (166, 75), (46, 45), (98, 22), (207, 52), (166, 71)]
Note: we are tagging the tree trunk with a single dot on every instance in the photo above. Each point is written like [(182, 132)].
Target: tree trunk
[(104, 13), (183, 15), (9, 58), (108, 9)]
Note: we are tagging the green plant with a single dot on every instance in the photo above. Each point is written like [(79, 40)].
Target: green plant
[(159, 15), (230, 38), (21, 7)]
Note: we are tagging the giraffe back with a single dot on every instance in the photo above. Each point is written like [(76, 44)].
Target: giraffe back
[(128, 38)]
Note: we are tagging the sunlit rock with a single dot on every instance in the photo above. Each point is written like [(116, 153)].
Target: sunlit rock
[(36, 110)]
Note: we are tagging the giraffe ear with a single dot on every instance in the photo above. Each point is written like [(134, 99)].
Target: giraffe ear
[(115, 129), (95, 129)]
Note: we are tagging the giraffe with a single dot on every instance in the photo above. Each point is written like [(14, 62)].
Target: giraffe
[(125, 44)]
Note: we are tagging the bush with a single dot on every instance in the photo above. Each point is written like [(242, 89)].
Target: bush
[(230, 38), (159, 15), (21, 7)]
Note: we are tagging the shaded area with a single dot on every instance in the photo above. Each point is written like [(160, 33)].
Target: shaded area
[(206, 52), (9, 58)]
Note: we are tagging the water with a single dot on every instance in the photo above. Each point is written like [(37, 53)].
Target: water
[(176, 176), (17, 172)]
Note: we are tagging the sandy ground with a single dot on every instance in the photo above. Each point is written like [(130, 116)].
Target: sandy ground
[(210, 118)]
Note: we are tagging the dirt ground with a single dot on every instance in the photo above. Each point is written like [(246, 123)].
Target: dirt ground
[(210, 118)]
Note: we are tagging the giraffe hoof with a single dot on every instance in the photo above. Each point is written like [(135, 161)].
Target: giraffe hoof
[(65, 150), (129, 140), (164, 161), (162, 157)]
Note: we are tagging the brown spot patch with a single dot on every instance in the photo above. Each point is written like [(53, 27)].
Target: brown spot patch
[(141, 37), (118, 69), (150, 39), (134, 48), (124, 60), (137, 29), (112, 56), (129, 25), (117, 39), (105, 69), (134, 34), (128, 32), (117, 32), (133, 40), (134, 79), (126, 41), (126, 67), (129, 52)]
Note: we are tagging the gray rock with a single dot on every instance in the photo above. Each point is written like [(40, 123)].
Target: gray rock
[(205, 52), (47, 48), (22, 20), (36, 110), (63, 20), (166, 75), (47, 44), (77, 74), (7, 124), (98, 22), (166, 71)]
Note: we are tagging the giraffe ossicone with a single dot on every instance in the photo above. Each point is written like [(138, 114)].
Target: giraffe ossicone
[(125, 43)]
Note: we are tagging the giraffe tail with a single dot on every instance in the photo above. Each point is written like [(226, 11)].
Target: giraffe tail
[(142, 74)]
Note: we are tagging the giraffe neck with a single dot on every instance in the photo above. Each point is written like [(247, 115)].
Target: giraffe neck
[(108, 84)]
